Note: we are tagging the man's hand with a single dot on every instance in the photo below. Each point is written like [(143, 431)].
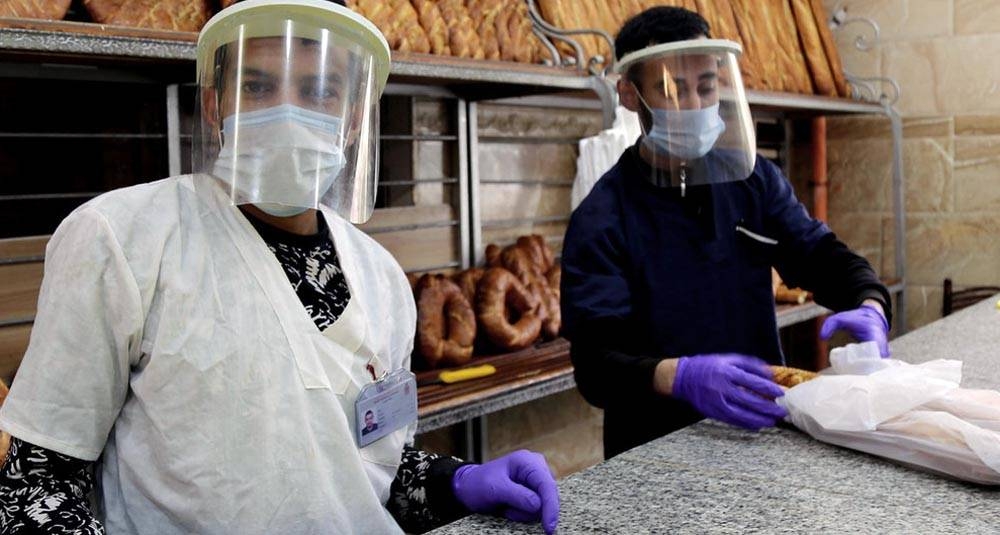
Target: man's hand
[(736, 389), (866, 323), (519, 486)]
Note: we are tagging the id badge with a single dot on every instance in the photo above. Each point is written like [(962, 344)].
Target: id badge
[(385, 406)]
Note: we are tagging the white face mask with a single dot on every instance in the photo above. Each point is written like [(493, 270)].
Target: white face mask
[(685, 134), (282, 159)]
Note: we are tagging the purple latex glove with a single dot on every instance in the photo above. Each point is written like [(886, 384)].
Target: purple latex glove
[(519, 486), (732, 388), (865, 323)]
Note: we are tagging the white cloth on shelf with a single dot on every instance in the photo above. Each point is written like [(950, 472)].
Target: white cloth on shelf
[(601, 152)]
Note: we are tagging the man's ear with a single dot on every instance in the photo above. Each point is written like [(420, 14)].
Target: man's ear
[(628, 95)]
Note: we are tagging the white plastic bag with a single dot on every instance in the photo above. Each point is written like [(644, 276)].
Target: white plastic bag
[(914, 414)]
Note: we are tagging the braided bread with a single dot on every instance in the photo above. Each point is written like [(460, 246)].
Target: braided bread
[(433, 25), (398, 22), (34, 9), (526, 45), (484, 14), (462, 37), (179, 15), (446, 324), (507, 312)]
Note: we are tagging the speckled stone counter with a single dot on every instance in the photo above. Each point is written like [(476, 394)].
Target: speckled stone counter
[(712, 478), (971, 335)]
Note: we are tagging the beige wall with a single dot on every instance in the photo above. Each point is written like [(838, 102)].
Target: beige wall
[(943, 54)]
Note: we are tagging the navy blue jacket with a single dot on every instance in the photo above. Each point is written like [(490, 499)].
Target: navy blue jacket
[(648, 274)]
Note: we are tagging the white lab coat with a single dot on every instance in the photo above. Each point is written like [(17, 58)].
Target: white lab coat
[(169, 340)]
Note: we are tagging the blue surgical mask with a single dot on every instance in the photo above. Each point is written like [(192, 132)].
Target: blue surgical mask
[(685, 134)]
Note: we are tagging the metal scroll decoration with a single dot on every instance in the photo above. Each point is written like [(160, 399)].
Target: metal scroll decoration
[(879, 89)]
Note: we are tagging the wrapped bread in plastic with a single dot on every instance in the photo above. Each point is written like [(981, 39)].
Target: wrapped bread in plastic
[(34, 9), (179, 15)]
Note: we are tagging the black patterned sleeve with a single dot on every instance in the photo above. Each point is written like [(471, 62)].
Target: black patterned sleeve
[(421, 497), (42, 491)]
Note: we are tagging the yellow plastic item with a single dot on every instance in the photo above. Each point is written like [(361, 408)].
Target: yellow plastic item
[(474, 372)]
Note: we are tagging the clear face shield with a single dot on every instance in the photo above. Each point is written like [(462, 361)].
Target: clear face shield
[(289, 106), (696, 121)]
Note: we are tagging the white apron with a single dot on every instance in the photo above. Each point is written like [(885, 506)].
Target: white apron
[(169, 339)]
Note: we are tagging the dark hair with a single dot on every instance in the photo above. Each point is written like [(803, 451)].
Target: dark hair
[(659, 25)]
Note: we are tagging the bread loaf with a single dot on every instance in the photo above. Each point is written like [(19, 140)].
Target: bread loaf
[(788, 36), (446, 324), (568, 15), (462, 37), (179, 15), (398, 22), (433, 25), (812, 48), (528, 47), (789, 377), (226, 3), (722, 25), (757, 45), (500, 291), (483, 14), (836, 67), (34, 9)]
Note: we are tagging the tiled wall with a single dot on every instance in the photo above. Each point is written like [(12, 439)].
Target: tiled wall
[(943, 54)]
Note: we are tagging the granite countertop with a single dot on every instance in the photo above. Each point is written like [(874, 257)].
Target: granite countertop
[(712, 478), (971, 335)]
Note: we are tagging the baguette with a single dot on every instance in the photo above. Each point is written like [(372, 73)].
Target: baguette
[(789, 377), (788, 37), (178, 15), (34, 9), (812, 46), (755, 46), (836, 67)]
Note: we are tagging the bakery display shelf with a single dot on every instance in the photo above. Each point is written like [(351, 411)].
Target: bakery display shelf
[(477, 79), (795, 104), (541, 370), (790, 314)]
